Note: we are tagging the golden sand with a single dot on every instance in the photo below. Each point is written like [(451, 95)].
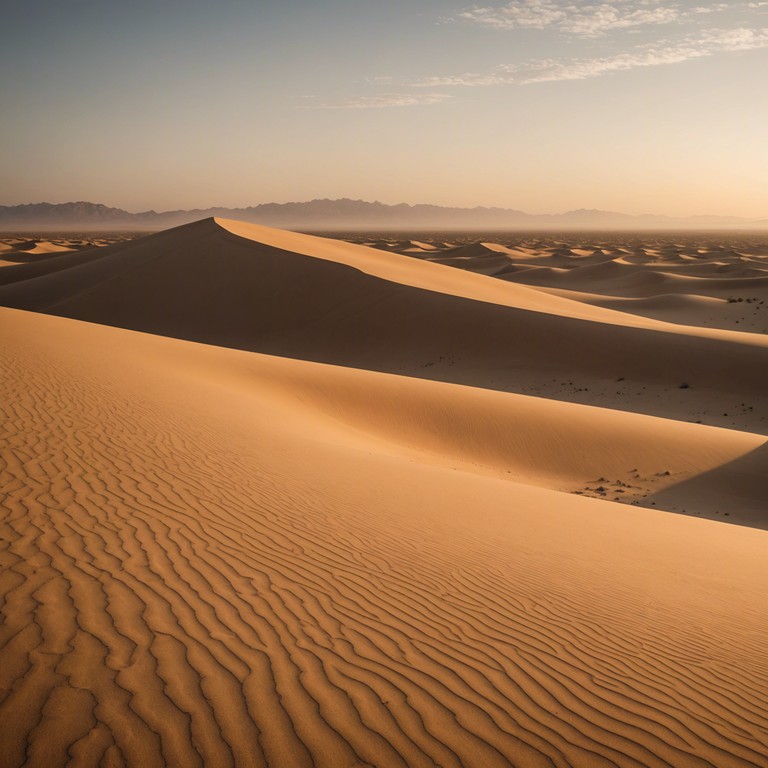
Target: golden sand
[(354, 525)]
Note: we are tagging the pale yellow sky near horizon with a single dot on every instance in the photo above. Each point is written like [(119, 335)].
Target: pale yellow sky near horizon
[(544, 106)]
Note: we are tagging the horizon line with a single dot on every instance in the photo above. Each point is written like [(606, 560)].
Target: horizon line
[(755, 219)]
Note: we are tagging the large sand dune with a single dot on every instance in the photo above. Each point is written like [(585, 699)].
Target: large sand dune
[(343, 531), (311, 298)]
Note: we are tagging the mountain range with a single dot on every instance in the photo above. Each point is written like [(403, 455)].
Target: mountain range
[(348, 214)]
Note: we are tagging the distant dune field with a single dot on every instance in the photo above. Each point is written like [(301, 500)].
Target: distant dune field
[(279, 500)]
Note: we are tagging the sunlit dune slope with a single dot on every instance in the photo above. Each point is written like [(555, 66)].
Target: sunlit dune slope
[(214, 558), (289, 294)]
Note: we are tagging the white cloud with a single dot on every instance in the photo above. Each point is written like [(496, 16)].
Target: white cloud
[(387, 100), (580, 19), (716, 8), (586, 20), (741, 39), (660, 53), (593, 19)]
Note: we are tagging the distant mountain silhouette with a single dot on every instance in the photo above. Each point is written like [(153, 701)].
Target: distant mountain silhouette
[(347, 214)]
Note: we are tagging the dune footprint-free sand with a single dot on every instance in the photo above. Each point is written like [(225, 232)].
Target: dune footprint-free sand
[(309, 541)]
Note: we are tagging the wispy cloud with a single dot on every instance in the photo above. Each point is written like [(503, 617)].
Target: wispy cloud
[(660, 53), (386, 100), (585, 19), (720, 7), (588, 20)]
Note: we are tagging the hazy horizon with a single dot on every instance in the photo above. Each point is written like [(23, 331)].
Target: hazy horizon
[(635, 106), (409, 203), (341, 217)]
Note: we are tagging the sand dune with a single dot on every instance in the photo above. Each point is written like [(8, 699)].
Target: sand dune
[(198, 572), (44, 247), (25, 269), (287, 294), (611, 278), (681, 308), (620, 277), (635, 278), (373, 519), (418, 246)]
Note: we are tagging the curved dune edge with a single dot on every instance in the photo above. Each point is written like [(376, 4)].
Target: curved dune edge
[(707, 287), (685, 309), (46, 247), (190, 581), (621, 277), (430, 276), (556, 445), (405, 270), (202, 283), (550, 444)]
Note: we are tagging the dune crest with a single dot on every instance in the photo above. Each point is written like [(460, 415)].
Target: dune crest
[(311, 298)]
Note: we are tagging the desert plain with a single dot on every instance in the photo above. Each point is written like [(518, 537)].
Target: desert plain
[(275, 499)]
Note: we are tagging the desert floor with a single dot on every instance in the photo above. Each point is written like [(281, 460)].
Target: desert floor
[(285, 500)]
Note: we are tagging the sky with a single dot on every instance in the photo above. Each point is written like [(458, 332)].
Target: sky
[(543, 106)]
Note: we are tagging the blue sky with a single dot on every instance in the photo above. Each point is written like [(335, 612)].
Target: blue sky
[(540, 105)]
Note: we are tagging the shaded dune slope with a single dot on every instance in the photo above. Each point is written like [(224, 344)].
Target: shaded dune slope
[(621, 279), (197, 571), (27, 269)]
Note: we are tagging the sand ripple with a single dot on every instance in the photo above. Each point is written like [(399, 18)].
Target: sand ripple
[(186, 581)]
